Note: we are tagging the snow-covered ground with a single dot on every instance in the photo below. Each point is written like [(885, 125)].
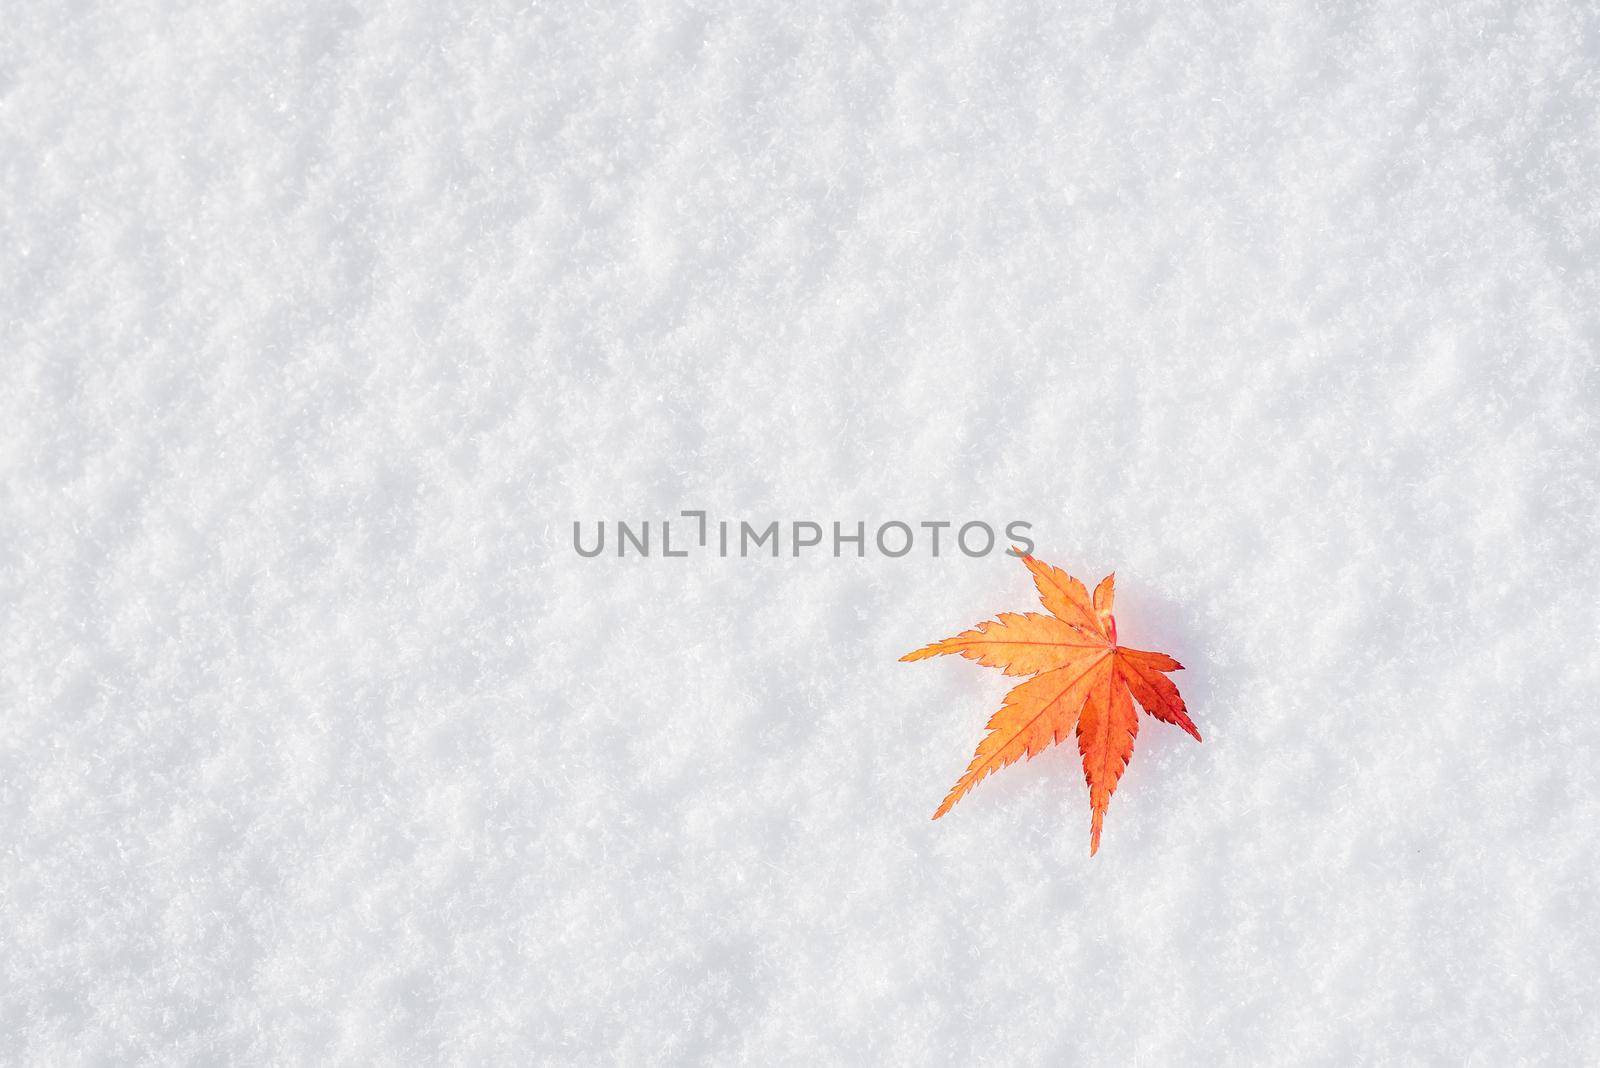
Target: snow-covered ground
[(320, 325)]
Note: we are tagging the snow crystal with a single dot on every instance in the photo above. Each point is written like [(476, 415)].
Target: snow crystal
[(321, 324)]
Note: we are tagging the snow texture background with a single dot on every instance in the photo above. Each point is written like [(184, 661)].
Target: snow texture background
[(322, 323)]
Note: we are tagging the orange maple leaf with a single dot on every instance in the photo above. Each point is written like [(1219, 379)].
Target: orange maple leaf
[(1081, 678)]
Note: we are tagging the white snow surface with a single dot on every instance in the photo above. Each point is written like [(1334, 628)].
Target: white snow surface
[(320, 324)]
